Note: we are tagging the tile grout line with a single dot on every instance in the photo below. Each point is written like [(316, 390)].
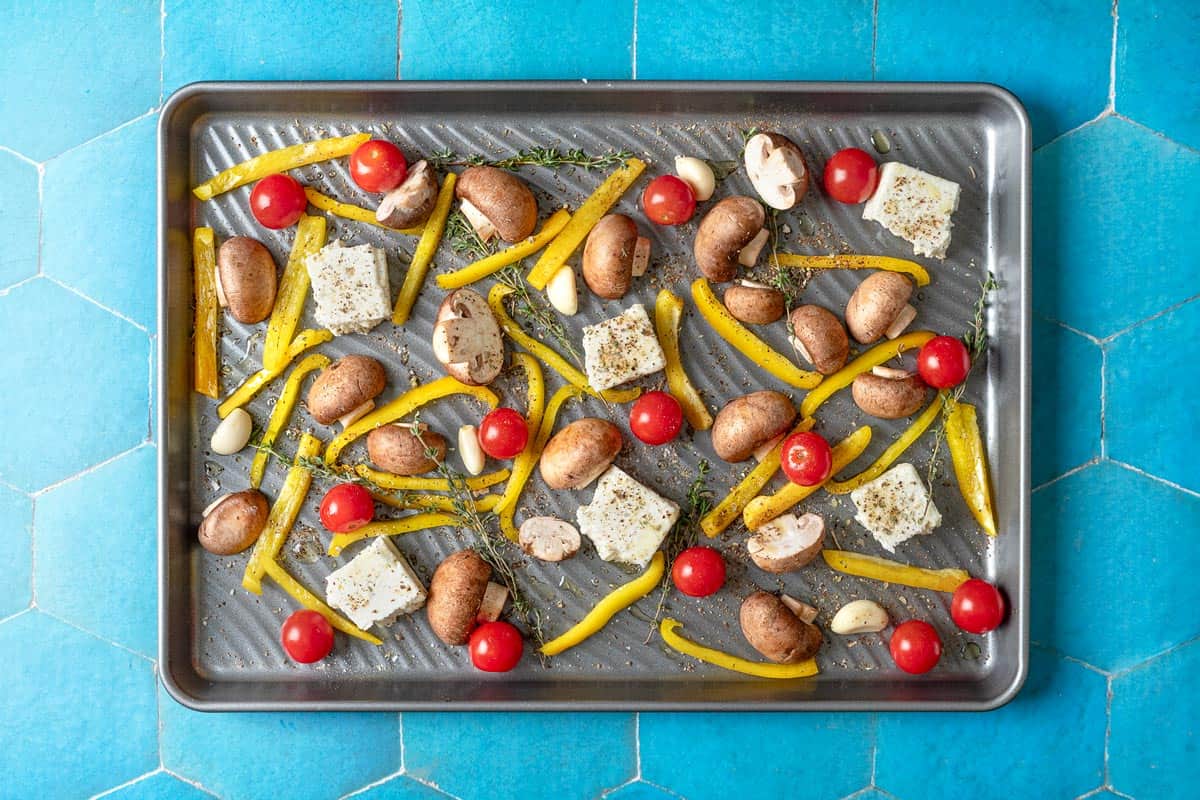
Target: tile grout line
[(150, 390), (400, 734), (107, 792), (86, 471), (19, 156), (41, 217), (1054, 651), (1112, 60), (1130, 328), (33, 504), (7, 289), (1103, 401), (874, 36), (147, 113), (1139, 471), (373, 784), (1093, 339), (637, 745), (633, 43), (97, 303), (162, 50), (1091, 462), (190, 782), (1159, 134), (98, 637), (1108, 700), (158, 723), (1081, 126), (399, 34), (11, 617), (874, 749)]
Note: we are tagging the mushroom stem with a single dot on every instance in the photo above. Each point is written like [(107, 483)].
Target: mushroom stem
[(748, 255), (479, 221), (902, 321), (221, 301), (355, 414), (767, 447), (803, 610), (641, 256), (208, 509), (492, 604), (891, 373)]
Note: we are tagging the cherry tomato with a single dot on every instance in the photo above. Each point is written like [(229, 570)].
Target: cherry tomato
[(806, 458), (503, 433), (916, 646), (698, 571), (977, 607), (851, 176), (378, 166), (669, 200), (656, 418), (496, 647), (347, 507), (943, 362), (277, 201), (307, 636)]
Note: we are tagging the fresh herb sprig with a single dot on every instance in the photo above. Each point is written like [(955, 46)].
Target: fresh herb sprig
[(684, 533), (550, 157), (535, 311), (463, 238), (317, 467)]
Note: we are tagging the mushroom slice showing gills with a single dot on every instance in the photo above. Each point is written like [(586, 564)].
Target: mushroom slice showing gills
[(777, 170), (787, 542), (467, 340), (410, 203), (549, 538)]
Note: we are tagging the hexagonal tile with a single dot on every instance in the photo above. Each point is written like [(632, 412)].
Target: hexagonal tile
[(757, 749), (112, 258), (16, 520), (1107, 250), (1088, 529), (160, 786), (1153, 424), (1066, 400), (639, 790), (816, 41), (401, 787), (103, 75), (1052, 734), (18, 219), (1157, 61), (1155, 709), (84, 709), (576, 755), (352, 749), (82, 375), (115, 505), (988, 42)]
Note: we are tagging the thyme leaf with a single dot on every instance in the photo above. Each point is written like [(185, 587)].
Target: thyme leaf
[(536, 312), (550, 157), (463, 239)]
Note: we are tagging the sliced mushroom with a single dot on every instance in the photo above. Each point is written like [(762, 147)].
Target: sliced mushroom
[(458, 591), (246, 279), (754, 303), (346, 388), (876, 306), (609, 255), (549, 538), (820, 339), (579, 453), (776, 168), (234, 522), (748, 423), (495, 201), (787, 542), (410, 203), (889, 398), (728, 227), (776, 631), (397, 449), (466, 338)]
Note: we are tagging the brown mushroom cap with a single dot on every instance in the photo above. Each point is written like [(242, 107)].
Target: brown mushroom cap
[(777, 170), (579, 453), (747, 423), (787, 542), (411, 202), (754, 305), (608, 256), (455, 593), (774, 630), (875, 304), (248, 279), (889, 398), (344, 386), (728, 226), (466, 338), (822, 338), (502, 197), (235, 523), (396, 449)]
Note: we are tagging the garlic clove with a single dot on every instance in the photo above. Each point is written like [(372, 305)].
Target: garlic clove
[(859, 616)]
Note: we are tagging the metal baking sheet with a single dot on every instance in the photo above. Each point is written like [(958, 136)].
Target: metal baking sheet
[(218, 644)]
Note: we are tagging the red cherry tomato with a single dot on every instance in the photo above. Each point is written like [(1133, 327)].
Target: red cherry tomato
[(806, 458), (656, 418), (277, 201), (943, 362), (496, 647), (851, 176), (503, 433), (916, 646), (378, 166), (977, 607), (698, 571), (307, 636), (347, 507), (669, 200)]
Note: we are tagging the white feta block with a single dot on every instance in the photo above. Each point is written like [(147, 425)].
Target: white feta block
[(350, 287), (896, 506), (621, 349), (916, 206), (375, 586), (626, 521)]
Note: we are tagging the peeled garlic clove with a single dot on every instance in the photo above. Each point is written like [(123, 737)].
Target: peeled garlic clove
[(561, 293), (232, 433), (468, 447), (696, 172), (859, 616)]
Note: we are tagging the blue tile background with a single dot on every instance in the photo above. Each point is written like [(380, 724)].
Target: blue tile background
[(1114, 93)]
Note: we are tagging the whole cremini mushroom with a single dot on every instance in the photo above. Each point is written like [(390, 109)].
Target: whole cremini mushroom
[(879, 306), (754, 303), (729, 226), (613, 255), (819, 338), (234, 522), (246, 280), (410, 203), (751, 424), (889, 396), (777, 170), (346, 389), (787, 542), (462, 595), (579, 453), (773, 628), (466, 338), (397, 448), (496, 202)]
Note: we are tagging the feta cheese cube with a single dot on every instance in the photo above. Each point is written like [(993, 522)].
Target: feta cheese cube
[(621, 349), (350, 287), (896, 506), (915, 206), (376, 586), (625, 520)]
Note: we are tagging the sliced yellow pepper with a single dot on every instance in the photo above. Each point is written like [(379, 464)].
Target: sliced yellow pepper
[(293, 290), (313, 603), (406, 483), (848, 261), (970, 463), (668, 312), (845, 376), (596, 206), (204, 337), (894, 451), (507, 508), (253, 385), (281, 160), (282, 412), (431, 237), (282, 516), (762, 510), (350, 211), (752, 347), (434, 502), (509, 255), (668, 629), (536, 405), (880, 569), (617, 600), (392, 527)]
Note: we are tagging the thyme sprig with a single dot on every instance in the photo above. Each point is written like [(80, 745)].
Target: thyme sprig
[(535, 311), (684, 533), (464, 240), (317, 467), (550, 157)]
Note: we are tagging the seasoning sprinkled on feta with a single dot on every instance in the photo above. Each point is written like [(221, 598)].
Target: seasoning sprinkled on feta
[(896, 506), (626, 521), (916, 206), (350, 287), (621, 349), (376, 586)]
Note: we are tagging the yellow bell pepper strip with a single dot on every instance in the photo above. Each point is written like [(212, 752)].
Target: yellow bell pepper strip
[(509, 255), (885, 351), (281, 160), (282, 516), (393, 527), (282, 412), (405, 483), (431, 237), (253, 385), (506, 509), (893, 451), (596, 206), (310, 601), (535, 406), (669, 628), (880, 569), (752, 347), (668, 312), (350, 211), (617, 600), (432, 502), (293, 290), (404, 405), (204, 337), (762, 510), (970, 462), (849, 261)]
